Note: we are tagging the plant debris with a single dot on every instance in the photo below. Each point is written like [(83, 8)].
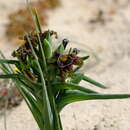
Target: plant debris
[(99, 18)]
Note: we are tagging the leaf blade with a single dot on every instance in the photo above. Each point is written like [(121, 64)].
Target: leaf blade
[(8, 61), (47, 107), (74, 96), (71, 86), (90, 80), (12, 76)]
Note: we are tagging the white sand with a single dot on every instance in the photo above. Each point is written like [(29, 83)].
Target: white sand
[(111, 42)]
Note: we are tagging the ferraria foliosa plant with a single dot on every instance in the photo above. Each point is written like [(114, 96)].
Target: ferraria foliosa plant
[(48, 78)]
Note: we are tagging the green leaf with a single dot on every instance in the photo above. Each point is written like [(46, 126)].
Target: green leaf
[(71, 86), (49, 121), (38, 30), (48, 37), (32, 104), (76, 79), (75, 96), (6, 68), (36, 20), (57, 120), (10, 76), (60, 49), (85, 57), (90, 80), (8, 61), (47, 49)]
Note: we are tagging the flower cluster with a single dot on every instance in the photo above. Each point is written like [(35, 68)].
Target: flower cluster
[(64, 61)]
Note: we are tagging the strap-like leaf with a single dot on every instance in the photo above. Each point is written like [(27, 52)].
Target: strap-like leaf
[(10, 76), (74, 96), (71, 86), (36, 20), (9, 61), (76, 79), (47, 107), (90, 80), (47, 49), (6, 68), (38, 30), (57, 122), (48, 37), (85, 57), (33, 106)]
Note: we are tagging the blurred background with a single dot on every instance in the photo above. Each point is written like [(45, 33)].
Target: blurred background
[(99, 28)]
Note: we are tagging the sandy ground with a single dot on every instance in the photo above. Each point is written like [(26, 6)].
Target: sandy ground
[(109, 41)]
